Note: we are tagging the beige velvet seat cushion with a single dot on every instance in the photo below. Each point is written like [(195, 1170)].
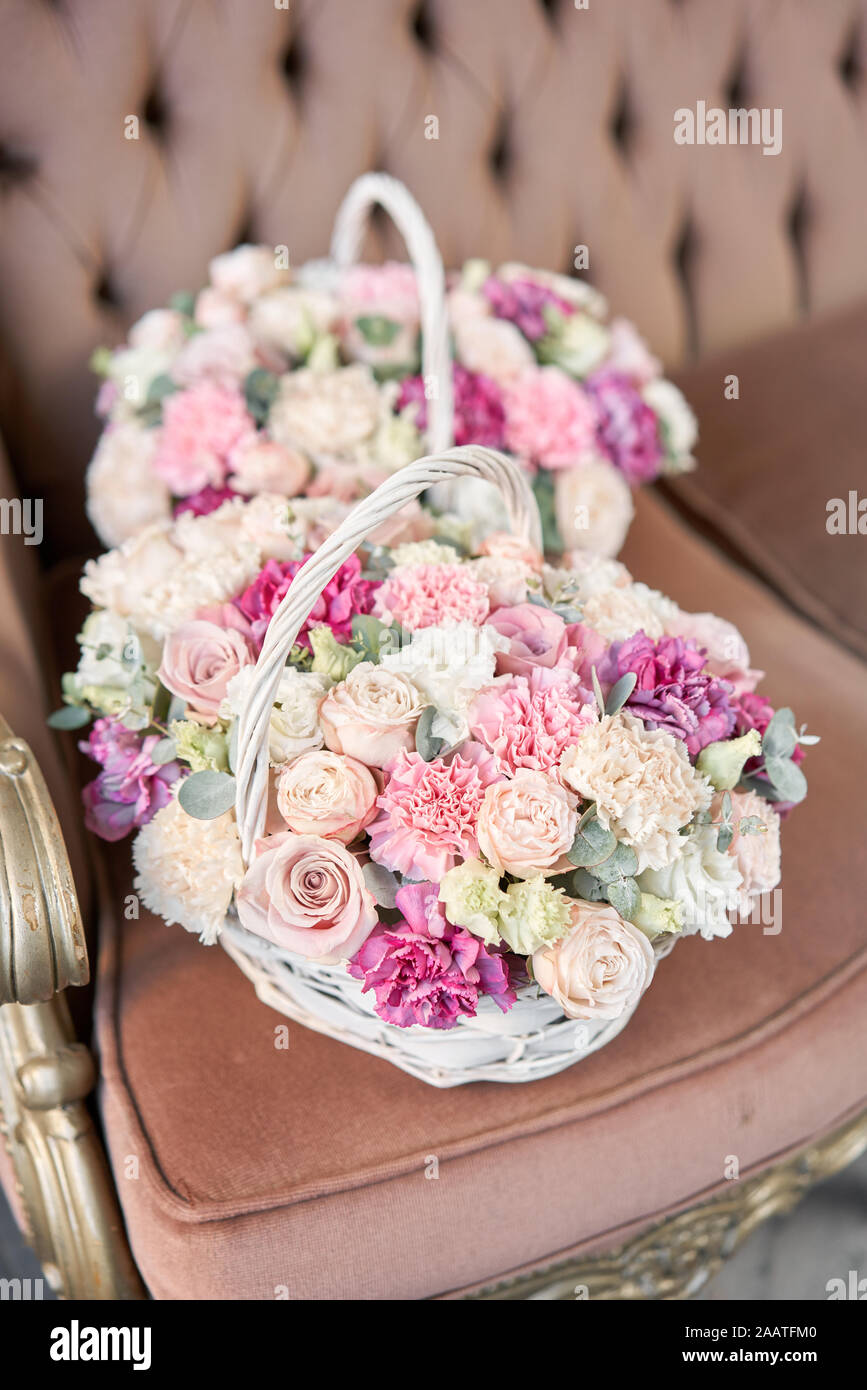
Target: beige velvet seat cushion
[(260, 1169)]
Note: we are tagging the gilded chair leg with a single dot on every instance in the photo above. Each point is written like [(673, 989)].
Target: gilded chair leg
[(64, 1182)]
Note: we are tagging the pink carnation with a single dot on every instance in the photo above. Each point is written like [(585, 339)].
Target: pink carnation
[(478, 402), (131, 788), (426, 971), (531, 721), (428, 812), (343, 596), (550, 420), (201, 427), (419, 596)]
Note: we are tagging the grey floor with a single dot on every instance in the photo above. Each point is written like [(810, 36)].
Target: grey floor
[(790, 1257)]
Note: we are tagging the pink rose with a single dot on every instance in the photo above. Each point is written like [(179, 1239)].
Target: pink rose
[(307, 894), (199, 660), (323, 793), (600, 969), (371, 715), (525, 826), (505, 546), (263, 466), (537, 635)]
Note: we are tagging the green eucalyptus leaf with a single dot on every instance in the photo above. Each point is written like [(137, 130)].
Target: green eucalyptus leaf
[(724, 838), (592, 844), (381, 883), (184, 302), (426, 745), (206, 795), (751, 825), (780, 737), (69, 717), (621, 863), (788, 780), (624, 896), (597, 691), (160, 387), (377, 329), (620, 692), (586, 887), (260, 390), (163, 751)]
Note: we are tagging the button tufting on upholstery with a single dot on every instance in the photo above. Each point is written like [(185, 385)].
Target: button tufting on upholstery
[(500, 153), (15, 166), (295, 64), (736, 88), (622, 121), (106, 292), (798, 228), (850, 64), (155, 112), (422, 26), (685, 254)]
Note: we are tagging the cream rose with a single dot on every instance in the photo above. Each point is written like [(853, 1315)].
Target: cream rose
[(593, 506), (643, 783), (268, 467), (326, 413), (246, 272), (326, 794), (124, 494), (307, 894), (199, 660), (600, 968), (526, 825), (371, 715), (493, 346)]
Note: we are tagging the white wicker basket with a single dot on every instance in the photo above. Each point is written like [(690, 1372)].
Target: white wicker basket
[(534, 1038)]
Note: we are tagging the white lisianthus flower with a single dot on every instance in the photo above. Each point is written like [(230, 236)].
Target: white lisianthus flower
[(678, 427), (593, 506), (295, 726), (645, 788), (618, 613), (705, 882), (188, 869), (449, 665), (124, 493)]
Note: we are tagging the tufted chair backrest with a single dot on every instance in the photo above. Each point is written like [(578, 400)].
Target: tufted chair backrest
[(554, 128)]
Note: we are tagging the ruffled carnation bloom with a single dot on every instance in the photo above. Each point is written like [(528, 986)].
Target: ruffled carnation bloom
[(422, 596), (131, 788), (530, 721), (600, 968), (428, 811), (426, 971), (627, 431), (523, 302), (706, 882), (526, 825), (322, 793), (673, 690), (343, 596), (206, 500), (326, 413), (199, 661), (188, 869), (307, 894), (533, 913), (550, 419), (124, 492), (478, 406), (756, 852), (200, 429), (371, 715), (618, 612), (643, 783)]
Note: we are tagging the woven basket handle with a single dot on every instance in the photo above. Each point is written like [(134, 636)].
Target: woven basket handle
[(402, 487), (413, 226)]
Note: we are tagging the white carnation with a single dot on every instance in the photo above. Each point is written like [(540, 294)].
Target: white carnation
[(326, 413), (449, 666), (620, 612), (703, 880), (187, 869), (123, 491)]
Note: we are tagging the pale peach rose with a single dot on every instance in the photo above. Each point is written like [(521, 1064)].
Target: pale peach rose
[(214, 309), (199, 660), (594, 508), (246, 272), (757, 854), (159, 330), (371, 715), (600, 968), (264, 466), (323, 793), (307, 894), (291, 319), (526, 825), (493, 346), (503, 545), (224, 355), (505, 580)]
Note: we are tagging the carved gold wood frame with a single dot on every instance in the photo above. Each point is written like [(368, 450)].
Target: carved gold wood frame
[(64, 1186)]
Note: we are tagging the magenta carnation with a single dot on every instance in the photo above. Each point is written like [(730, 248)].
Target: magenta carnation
[(426, 971), (131, 788), (418, 596), (343, 596), (200, 428), (479, 413), (530, 721), (523, 302), (627, 430), (428, 812), (205, 501), (673, 690)]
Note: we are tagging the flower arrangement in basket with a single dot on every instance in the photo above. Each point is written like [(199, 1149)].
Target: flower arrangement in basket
[(321, 382), (449, 807)]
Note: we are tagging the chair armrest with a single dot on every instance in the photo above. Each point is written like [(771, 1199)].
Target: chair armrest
[(42, 945)]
